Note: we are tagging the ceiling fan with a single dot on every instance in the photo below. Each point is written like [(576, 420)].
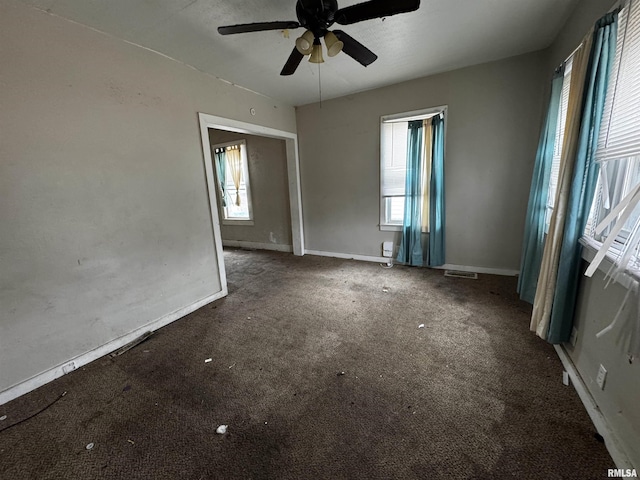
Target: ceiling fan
[(316, 16)]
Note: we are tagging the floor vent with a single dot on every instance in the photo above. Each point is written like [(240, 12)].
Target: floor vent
[(459, 274)]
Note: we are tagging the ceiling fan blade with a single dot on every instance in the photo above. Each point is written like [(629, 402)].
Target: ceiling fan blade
[(292, 62), (257, 27), (355, 49), (374, 9)]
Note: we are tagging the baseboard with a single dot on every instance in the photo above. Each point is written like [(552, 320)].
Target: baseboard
[(348, 256), (257, 245), (490, 271), (611, 440), (76, 362), (448, 266)]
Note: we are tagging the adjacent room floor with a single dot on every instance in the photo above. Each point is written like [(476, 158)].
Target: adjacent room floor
[(322, 369)]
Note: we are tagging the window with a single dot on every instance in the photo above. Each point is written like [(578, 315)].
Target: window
[(618, 148), (234, 192), (614, 184), (559, 139), (393, 165)]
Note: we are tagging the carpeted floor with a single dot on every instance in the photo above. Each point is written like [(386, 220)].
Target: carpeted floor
[(320, 370)]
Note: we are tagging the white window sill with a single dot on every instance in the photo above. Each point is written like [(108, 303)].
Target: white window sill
[(231, 221), (591, 247), (395, 228)]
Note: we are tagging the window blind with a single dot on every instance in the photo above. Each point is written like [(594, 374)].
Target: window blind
[(394, 158), (620, 132), (562, 120)]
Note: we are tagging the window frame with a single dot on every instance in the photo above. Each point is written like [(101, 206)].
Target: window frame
[(245, 172), (401, 117), (618, 185), (599, 212), (620, 181)]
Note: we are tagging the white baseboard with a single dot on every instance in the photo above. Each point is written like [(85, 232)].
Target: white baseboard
[(257, 245), (348, 256), (76, 362), (490, 271), (611, 440), (448, 266)]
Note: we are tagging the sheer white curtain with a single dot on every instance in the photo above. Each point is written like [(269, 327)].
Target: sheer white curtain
[(234, 160), (426, 172)]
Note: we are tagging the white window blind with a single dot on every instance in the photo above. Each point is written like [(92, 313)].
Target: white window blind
[(620, 130), (393, 145), (557, 149)]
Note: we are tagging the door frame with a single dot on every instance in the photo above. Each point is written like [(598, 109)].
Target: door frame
[(293, 173)]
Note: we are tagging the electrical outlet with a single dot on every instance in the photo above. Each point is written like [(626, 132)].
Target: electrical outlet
[(602, 376), (69, 367), (574, 336)]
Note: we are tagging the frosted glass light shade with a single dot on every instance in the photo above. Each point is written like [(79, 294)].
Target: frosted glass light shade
[(334, 46), (316, 54), (304, 43)]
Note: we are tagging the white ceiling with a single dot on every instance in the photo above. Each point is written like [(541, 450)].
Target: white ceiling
[(442, 35)]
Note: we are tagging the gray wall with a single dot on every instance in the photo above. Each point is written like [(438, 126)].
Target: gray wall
[(578, 24), (103, 198), (492, 129), (598, 306), (619, 402), (267, 163)]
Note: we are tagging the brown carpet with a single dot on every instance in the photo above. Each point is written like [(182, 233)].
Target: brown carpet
[(472, 395)]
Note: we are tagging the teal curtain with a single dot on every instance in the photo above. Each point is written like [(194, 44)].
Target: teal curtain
[(534, 232), (436, 196), (221, 165), (410, 251), (584, 179)]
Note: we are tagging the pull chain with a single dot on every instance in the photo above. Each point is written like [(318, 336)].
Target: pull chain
[(319, 86)]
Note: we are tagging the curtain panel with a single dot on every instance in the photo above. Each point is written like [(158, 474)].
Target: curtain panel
[(534, 232), (436, 256), (585, 177), (556, 293), (234, 160), (410, 251), (426, 171), (221, 165)]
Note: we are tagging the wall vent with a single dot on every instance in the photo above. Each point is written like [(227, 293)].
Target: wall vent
[(459, 274)]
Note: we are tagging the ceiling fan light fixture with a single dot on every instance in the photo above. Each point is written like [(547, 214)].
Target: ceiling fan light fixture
[(304, 43), (334, 45), (316, 17), (316, 53)]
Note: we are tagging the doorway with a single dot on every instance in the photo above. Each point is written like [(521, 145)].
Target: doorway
[(289, 142)]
